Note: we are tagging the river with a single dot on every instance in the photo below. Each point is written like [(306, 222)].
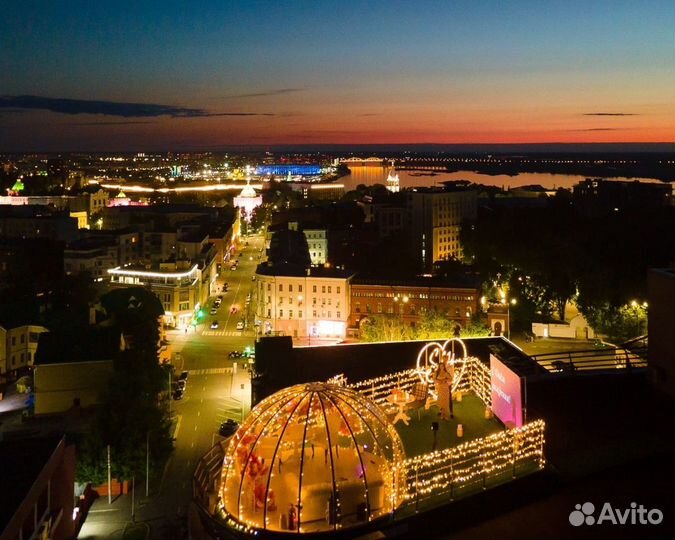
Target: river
[(409, 179)]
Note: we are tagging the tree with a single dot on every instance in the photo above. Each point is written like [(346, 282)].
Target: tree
[(385, 327), (435, 325)]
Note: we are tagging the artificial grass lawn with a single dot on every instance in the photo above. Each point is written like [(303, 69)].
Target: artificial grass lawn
[(417, 437)]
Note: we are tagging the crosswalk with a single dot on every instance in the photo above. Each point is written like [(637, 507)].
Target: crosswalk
[(210, 371), (224, 333)]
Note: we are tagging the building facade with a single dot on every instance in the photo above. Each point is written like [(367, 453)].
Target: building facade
[(661, 287), (317, 243), (178, 286), (18, 348), (302, 303), (410, 299), (435, 220)]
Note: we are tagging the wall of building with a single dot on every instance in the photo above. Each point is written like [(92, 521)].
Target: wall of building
[(20, 346), (59, 387), (303, 306), (661, 287)]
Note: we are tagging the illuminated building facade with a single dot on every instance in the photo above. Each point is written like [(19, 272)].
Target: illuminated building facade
[(285, 169), (302, 303), (247, 200), (435, 216), (410, 299)]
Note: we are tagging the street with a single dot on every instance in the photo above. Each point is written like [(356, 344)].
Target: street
[(215, 391)]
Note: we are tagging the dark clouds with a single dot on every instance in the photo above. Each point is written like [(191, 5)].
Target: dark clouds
[(277, 92), (110, 108), (609, 114)]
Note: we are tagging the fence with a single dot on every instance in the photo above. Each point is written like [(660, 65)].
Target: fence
[(608, 359), (475, 463), (476, 378)]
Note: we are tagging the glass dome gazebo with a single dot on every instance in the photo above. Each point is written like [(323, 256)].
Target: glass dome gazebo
[(312, 458)]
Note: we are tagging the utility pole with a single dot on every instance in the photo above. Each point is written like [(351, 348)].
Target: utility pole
[(133, 499), (109, 479), (147, 463)]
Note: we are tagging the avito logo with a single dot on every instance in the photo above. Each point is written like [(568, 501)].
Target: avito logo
[(584, 514)]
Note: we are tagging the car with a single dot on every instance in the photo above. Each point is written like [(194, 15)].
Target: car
[(220, 296), (183, 375), (235, 354), (240, 325), (228, 428), (214, 310), (233, 267), (234, 309), (214, 325), (178, 394), (181, 384), (226, 287)]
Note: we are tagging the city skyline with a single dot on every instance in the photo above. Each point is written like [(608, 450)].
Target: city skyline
[(212, 75)]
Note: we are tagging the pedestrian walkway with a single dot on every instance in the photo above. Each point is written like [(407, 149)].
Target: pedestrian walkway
[(210, 371), (224, 333)]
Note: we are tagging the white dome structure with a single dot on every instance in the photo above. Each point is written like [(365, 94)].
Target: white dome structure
[(313, 457), (248, 200)]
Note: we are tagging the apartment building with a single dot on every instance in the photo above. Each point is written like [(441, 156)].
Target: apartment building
[(299, 302), (18, 346)]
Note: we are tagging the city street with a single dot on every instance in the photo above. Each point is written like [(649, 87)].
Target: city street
[(215, 391)]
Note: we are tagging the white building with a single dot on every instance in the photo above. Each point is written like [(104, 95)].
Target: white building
[(247, 200), (302, 303), (393, 182), (317, 243)]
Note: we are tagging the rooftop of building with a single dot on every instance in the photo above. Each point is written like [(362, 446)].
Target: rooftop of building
[(18, 473), (449, 186), (459, 282), (295, 270)]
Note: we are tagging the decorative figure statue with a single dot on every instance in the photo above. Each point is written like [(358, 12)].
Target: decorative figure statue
[(443, 384)]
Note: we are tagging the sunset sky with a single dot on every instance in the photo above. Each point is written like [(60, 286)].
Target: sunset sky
[(203, 75)]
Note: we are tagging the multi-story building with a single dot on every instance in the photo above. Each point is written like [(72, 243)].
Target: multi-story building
[(409, 299), (299, 302), (317, 243), (37, 222), (18, 346), (182, 287), (435, 220), (41, 484)]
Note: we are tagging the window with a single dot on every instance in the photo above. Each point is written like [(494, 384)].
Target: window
[(290, 288), (329, 315), (338, 290), (330, 291), (290, 299), (269, 313), (379, 307), (299, 288), (23, 338), (281, 288), (300, 314), (281, 313), (269, 286), (269, 299), (314, 313), (281, 300), (184, 306), (357, 307), (329, 301), (323, 289), (167, 297), (290, 313), (337, 314)]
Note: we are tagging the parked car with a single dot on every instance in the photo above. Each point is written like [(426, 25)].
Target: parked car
[(233, 267), (228, 428), (183, 376), (178, 394), (240, 325), (214, 310), (181, 384), (235, 354), (214, 325)]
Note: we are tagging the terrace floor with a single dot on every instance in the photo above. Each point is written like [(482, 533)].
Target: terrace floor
[(417, 437)]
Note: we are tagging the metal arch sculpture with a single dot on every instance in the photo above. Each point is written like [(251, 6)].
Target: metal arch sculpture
[(432, 353)]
